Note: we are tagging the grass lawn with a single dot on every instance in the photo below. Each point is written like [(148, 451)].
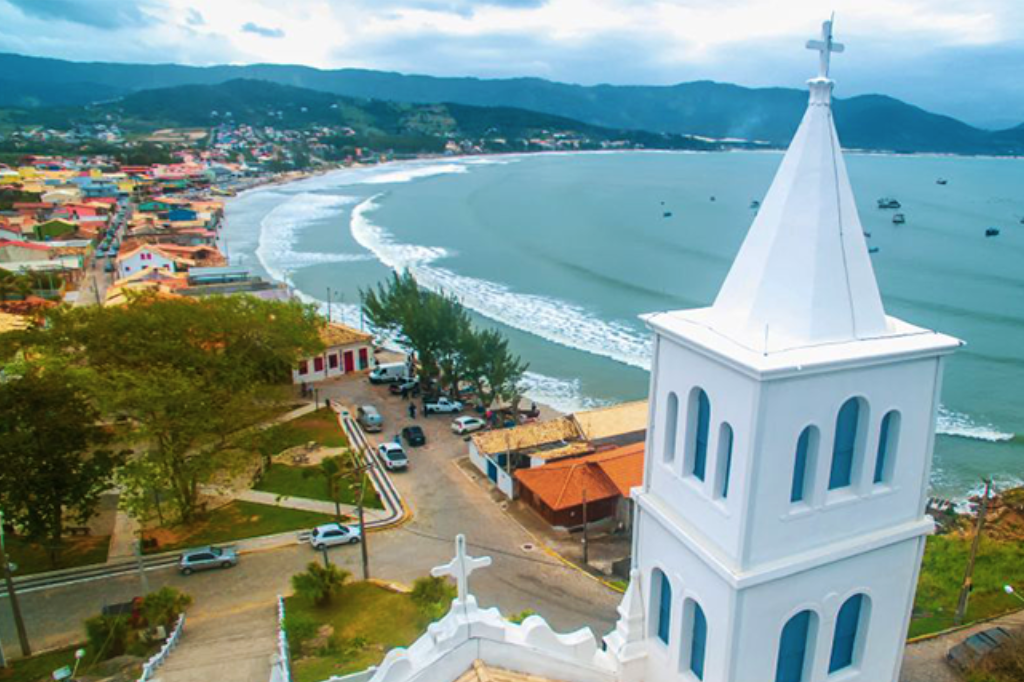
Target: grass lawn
[(40, 666), (321, 426), (942, 573), (78, 551), (292, 481), (235, 521), (368, 621)]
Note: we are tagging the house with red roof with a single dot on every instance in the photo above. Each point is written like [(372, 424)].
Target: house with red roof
[(558, 491)]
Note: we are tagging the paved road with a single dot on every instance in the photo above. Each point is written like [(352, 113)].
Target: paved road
[(444, 502), (228, 647)]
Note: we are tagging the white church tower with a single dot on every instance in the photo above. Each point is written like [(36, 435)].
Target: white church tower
[(782, 520)]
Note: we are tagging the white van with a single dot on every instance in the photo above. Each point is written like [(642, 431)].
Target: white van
[(389, 373)]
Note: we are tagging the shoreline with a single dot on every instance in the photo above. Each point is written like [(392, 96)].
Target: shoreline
[(542, 392)]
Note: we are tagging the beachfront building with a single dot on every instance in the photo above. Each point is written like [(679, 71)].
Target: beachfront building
[(347, 350), (781, 522)]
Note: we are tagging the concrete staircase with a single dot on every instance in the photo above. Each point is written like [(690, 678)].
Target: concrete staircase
[(235, 647)]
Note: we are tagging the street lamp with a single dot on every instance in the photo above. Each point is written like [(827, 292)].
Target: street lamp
[(1008, 589)]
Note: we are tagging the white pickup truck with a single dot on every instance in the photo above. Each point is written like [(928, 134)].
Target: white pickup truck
[(442, 405)]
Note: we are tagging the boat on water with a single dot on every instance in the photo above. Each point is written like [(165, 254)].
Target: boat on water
[(899, 219), (941, 181), (755, 204), (888, 202), (868, 235), (666, 214), (873, 249), (992, 232)]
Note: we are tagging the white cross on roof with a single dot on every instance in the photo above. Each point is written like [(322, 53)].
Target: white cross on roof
[(826, 46), (461, 566)]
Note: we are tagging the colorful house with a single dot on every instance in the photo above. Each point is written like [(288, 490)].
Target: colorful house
[(347, 350)]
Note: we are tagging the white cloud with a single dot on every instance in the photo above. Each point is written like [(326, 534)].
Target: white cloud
[(894, 45)]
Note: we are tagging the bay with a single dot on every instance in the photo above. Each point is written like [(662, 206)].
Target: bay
[(564, 251)]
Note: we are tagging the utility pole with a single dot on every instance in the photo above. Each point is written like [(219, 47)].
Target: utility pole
[(138, 563), (362, 471), (968, 585), (19, 622), (329, 320), (586, 544)]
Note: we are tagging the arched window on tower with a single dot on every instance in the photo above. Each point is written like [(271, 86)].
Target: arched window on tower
[(793, 647), (888, 439), (671, 426), (699, 427), (844, 450), (661, 598), (848, 627), (724, 459), (803, 465), (698, 638)]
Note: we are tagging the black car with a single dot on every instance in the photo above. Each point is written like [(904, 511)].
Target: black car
[(413, 435)]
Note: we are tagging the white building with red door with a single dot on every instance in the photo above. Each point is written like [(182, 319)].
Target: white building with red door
[(347, 350)]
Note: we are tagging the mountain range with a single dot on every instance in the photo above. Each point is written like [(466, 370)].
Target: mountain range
[(701, 108)]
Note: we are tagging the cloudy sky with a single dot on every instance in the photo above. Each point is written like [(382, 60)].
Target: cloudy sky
[(960, 57)]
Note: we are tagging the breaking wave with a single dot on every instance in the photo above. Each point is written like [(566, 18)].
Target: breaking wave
[(280, 228), (564, 395), (554, 320), (410, 174), (557, 321), (951, 423)]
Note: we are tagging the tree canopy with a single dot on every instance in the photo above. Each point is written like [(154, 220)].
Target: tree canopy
[(182, 373), (437, 328)]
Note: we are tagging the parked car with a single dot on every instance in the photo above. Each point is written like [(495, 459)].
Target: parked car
[(392, 372), (393, 456), (207, 557), (972, 650), (409, 386), (331, 534), (413, 435), (369, 418), (464, 425), (442, 405)]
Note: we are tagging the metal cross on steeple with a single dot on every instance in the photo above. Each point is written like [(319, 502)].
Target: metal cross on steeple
[(826, 46), (461, 566)]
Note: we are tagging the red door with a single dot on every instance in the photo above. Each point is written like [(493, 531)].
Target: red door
[(364, 360), (350, 361)]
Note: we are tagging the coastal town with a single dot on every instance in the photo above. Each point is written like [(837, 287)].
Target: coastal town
[(206, 477)]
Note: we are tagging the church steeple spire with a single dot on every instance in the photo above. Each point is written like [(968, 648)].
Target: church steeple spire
[(803, 275)]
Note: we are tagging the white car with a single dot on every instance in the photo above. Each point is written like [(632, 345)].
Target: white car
[(331, 534), (393, 456), (464, 425), (443, 405)]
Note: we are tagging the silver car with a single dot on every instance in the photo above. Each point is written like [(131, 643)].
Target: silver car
[(203, 558), (369, 418)]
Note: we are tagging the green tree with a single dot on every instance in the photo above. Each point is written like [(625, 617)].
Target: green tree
[(433, 595), (164, 606), (319, 584), (493, 370), (55, 466), (332, 470), (184, 373)]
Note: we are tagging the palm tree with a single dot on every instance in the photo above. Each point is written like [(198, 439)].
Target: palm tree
[(332, 469)]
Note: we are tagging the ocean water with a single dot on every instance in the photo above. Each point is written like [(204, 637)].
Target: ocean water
[(564, 251)]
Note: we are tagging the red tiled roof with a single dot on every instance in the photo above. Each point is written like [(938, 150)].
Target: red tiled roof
[(612, 473)]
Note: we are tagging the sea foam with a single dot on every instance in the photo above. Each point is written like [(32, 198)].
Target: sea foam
[(280, 228)]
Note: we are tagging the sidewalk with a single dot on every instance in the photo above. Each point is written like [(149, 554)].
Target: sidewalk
[(232, 647), (304, 504)]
